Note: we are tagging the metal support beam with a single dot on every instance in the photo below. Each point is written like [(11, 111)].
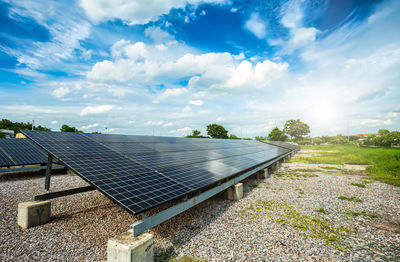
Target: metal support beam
[(62, 193), (24, 169), (48, 172), (149, 222)]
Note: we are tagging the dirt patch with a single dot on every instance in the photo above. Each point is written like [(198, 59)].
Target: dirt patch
[(388, 226)]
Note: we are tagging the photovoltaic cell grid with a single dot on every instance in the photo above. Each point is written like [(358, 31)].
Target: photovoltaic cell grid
[(283, 144), (15, 152), (140, 172)]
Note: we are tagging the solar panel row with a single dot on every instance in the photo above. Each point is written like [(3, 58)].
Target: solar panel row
[(14, 152), (140, 172), (283, 144)]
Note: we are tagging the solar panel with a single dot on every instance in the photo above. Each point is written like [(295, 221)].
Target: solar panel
[(140, 172), (283, 144), (15, 152)]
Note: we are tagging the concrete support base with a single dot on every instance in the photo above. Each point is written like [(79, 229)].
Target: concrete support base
[(32, 213), (263, 174), (235, 192), (126, 248)]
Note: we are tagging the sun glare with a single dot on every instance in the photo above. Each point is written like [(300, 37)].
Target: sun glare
[(322, 112)]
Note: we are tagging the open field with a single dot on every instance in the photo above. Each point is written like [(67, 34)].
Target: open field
[(301, 214), (385, 162)]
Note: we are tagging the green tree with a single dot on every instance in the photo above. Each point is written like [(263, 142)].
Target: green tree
[(67, 128), (296, 129), (196, 134), (259, 138), (232, 136), (217, 131), (277, 135), (17, 126)]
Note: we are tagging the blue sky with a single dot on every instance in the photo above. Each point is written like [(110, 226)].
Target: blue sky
[(168, 67)]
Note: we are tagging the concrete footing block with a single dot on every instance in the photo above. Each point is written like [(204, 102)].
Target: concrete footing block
[(126, 248), (263, 174), (33, 213), (235, 192)]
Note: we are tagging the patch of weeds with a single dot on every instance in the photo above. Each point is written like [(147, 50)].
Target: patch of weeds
[(301, 191), (366, 181), (322, 211), (331, 168), (358, 185), (354, 199), (267, 187), (166, 254), (187, 259), (309, 226), (362, 213), (254, 185), (306, 170)]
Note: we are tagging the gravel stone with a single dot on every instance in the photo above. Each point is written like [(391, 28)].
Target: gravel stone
[(213, 230)]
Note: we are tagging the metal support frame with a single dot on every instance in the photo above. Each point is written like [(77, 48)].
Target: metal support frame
[(31, 168), (48, 172), (149, 222), (62, 193)]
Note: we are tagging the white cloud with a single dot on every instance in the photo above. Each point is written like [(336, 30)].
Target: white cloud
[(271, 123), (256, 26), (153, 123), (196, 102), (142, 62), (61, 92), (292, 14), (168, 124), (171, 92), (96, 110), (219, 119), (134, 11), (66, 30), (54, 122), (90, 126), (181, 130), (302, 36)]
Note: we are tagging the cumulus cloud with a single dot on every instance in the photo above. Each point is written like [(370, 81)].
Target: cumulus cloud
[(90, 126), (153, 123), (196, 102), (256, 26), (134, 11), (168, 124), (96, 110), (54, 122), (302, 36), (141, 62)]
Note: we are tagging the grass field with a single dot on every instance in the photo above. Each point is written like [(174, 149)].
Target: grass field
[(385, 162)]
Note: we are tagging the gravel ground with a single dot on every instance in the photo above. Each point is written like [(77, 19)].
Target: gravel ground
[(275, 221)]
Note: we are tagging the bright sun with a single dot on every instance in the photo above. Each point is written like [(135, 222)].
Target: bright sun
[(322, 112)]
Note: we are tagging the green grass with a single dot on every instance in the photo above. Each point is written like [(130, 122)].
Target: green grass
[(322, 211), (353, 199), (358, 184), (254, 185), (362, 213), (385, 162)]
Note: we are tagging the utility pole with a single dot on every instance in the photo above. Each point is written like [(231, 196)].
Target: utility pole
[(106, 129), (33, 123)]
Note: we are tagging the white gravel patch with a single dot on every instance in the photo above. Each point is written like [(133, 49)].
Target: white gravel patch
[(214, 230)]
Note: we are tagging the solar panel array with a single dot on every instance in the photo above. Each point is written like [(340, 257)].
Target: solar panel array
[(140, 172), (14, 152), (283, 144)]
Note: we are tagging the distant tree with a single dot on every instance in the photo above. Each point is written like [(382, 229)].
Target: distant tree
[(247, 138), (97, 132), (196, 134), (259, 138), (296, 129), (41, 128), (232, 136), (277, 135), (339, 140), (383, 132), (17, 126), (67, 128), (217, 131), (318, 140)]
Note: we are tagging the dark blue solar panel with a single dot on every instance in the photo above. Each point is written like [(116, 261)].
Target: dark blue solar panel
[(20, 152), (140, 172)]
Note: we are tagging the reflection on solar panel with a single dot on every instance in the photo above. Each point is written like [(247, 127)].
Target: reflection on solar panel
[(283, 144), (15, 152), (140, 172)]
